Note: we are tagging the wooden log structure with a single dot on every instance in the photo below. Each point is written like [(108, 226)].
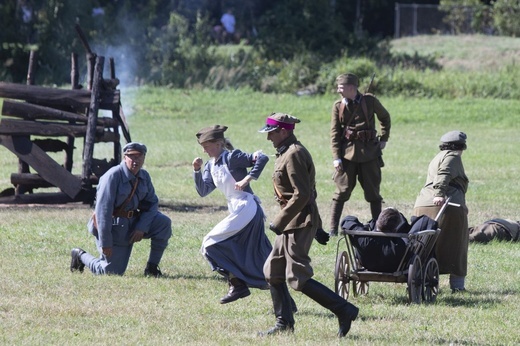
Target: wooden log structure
[(30, 111)]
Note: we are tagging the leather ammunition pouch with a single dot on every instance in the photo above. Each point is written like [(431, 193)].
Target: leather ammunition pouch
[(360, 135)]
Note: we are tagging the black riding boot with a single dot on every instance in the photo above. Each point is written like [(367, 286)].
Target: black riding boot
[(375, 209), (237, 289), (336, 210), (321, 294), (283, 310)]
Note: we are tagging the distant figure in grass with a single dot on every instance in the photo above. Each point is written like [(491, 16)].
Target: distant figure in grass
[(126, 212), (446, 178), (499, 229), (237, 246), (229, 33)]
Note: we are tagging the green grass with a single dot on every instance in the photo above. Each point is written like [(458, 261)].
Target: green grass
[(463, 52), (42, 303)]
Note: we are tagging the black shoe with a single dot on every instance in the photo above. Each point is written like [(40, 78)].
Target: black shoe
[(75, 262), (152, 270), (345, 319), (237, 289), (277, 329)]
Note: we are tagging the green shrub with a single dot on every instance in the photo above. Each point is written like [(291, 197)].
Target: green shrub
[(506, 17)]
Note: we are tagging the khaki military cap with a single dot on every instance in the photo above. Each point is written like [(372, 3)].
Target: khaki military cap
[(279, 120), (211, 133)]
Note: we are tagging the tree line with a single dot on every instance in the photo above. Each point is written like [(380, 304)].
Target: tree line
[(169, 42)]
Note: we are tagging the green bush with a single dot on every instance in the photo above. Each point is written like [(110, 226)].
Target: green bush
[(506, 17), (175, 57)]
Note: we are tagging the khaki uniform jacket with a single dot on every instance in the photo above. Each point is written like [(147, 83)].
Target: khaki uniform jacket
[(353, 116), (294, 184), (446, 178)]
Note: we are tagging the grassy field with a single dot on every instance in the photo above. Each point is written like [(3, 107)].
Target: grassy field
[(42, 303)]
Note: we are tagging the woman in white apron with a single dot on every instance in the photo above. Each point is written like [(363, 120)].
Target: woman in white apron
[(237, 246)]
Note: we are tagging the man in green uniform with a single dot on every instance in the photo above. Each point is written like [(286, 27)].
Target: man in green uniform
[(295, 226), (356, 147), (499, 229)]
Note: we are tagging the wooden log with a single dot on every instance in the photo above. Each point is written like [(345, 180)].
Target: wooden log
[(73, 100), (36, 181), (30, 69), (29, 111), (42, 163), (74, 82), (85, 197), (38, 128), (88, 150)]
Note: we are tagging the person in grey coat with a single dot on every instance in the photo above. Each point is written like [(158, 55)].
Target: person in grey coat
[(447, 178), (126, 212)]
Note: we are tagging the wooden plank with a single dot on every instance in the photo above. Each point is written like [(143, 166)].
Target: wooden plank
[(90, 139), (38, 128), (47, 198), (42, 163), (29, 111), (77, 100), (35, 180)]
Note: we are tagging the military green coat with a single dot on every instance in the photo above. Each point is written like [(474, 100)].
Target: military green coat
[(359, 115)]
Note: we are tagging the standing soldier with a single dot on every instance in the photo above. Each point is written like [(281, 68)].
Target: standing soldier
[(356, 148), (295, 226)]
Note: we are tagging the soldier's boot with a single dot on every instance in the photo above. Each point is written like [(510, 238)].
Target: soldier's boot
[(75, 262), (321, 294), (336, 210), (152, 269), (375, 209), (237, 289), (283, 310)]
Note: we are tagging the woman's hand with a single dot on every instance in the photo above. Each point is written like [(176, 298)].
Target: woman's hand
[(240, 185), (438, 200), (197, 163)]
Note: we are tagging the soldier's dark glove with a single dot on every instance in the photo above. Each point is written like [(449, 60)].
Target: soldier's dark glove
[(321, 236), (274, 229)]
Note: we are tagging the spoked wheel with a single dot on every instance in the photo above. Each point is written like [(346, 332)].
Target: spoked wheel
[(342, 279), (415, 281), (431, 281), (360, 287)]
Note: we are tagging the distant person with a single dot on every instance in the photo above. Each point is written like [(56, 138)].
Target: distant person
[(237, 246), (379, 253), (126, 212), (229, 22), (356, 147), (446, 178), (295, 226), (499, 229)]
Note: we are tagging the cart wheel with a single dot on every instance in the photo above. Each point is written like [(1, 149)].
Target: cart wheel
[(415, 281), (431, 281), (360, 287), (341, 274)]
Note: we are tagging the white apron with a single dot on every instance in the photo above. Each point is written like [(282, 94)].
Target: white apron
[(241, 206)]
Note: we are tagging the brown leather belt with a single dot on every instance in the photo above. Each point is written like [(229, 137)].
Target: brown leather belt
[(126, 214)]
